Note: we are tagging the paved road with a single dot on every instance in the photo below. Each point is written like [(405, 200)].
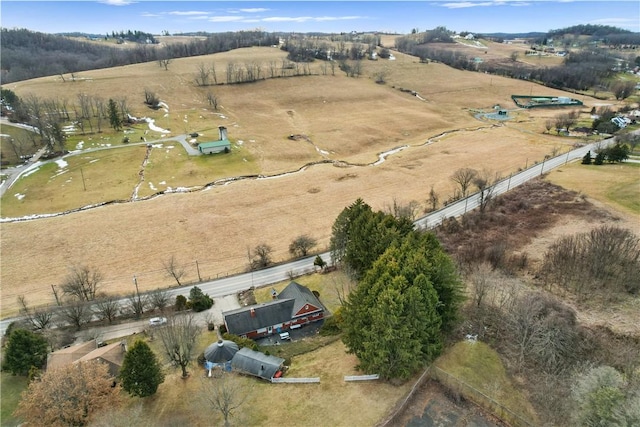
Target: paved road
[(233, 284)]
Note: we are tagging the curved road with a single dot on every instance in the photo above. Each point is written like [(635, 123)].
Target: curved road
[(233, 284)]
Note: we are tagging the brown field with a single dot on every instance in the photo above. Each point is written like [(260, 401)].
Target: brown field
[(344, 119)]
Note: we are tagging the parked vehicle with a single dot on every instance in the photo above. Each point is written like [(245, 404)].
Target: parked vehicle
[(157, 321)]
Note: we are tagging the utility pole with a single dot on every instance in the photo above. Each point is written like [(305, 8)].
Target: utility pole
[(135, 282), (198, 270), (83, 184)]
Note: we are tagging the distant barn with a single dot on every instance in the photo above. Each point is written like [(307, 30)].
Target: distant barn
[(222, 145)]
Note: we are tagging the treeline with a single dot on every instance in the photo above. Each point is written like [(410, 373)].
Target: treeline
[(27, 54), (580, 70), (134, 36), (588, 30), (612, 36)]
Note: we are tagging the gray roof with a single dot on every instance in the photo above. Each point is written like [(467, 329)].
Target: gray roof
[(301, 294), (256, 363), (221, 351), (242, 321)]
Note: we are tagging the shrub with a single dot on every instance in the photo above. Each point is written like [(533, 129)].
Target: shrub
[(181, 302), (242, 342)]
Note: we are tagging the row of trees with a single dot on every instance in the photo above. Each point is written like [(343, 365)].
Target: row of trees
[(582, 70), (407, 296), (27, 54), (88, 114)]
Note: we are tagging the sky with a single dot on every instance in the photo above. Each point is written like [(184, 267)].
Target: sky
[(156, 17)]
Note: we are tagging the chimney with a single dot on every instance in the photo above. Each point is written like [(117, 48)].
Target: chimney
[(223, 132), (253, 312)]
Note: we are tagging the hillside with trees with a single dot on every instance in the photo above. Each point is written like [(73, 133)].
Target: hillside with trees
[(28, 54)]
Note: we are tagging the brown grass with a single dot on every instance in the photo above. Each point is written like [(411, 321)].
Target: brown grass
[(330, 403), (351, 119)]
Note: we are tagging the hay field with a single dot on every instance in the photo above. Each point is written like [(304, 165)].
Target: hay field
[(345, 119)]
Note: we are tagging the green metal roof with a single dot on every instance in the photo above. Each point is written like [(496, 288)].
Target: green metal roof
[(214, 144)]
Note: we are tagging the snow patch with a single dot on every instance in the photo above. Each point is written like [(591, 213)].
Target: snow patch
[(62, 163), (19, 196), (152, 187), (155, 128), (80, 145)]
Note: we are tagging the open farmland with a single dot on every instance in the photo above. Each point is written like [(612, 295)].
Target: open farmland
[(345, 121)]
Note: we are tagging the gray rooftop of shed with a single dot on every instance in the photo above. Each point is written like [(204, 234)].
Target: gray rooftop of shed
[(256, 363)]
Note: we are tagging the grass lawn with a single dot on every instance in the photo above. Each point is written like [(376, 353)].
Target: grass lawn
[(614, 184), (76, 181), (169, 166), (21, 140), (330, 403), (10, 388), (480, 367)]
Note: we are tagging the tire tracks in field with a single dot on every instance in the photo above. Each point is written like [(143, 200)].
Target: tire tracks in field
[(381, 157)]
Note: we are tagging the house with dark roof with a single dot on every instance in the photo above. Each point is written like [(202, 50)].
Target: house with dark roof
[(296, 306), (111, 354), (257, 364)]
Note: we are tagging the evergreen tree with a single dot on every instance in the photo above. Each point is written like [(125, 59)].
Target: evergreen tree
[(600, 157), (199, 300), (360, 236), (393, 320), (586, 160), (141, 373), (114, 118), (24, 350), (618, 153)]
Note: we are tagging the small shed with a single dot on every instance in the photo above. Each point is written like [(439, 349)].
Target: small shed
[(256, 363), (222, 145)]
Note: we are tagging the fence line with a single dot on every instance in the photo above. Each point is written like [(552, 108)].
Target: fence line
[(361, 377), (479, 398), (295, 380), (403, 403)]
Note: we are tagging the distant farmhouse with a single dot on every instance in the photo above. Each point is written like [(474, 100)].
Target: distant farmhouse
[(296, 306), (222, 145)]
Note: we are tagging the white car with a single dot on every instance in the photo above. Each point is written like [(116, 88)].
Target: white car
[(157, 321)]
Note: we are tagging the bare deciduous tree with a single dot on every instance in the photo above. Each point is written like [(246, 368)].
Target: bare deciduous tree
[(77, 313), (260, 257), (107, 308), (202, 78), (464, 178), (301, 245), (433, 199), (68, 395), (178, 338), (82, 282), (39, 318), (485, 183), (174, 269), (159, 299), (224, 394), (137, 304), (606, 258), (403, 210), (212, 100)]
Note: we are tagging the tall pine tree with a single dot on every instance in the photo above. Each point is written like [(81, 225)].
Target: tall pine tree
[(141, 373), (392, 321)]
